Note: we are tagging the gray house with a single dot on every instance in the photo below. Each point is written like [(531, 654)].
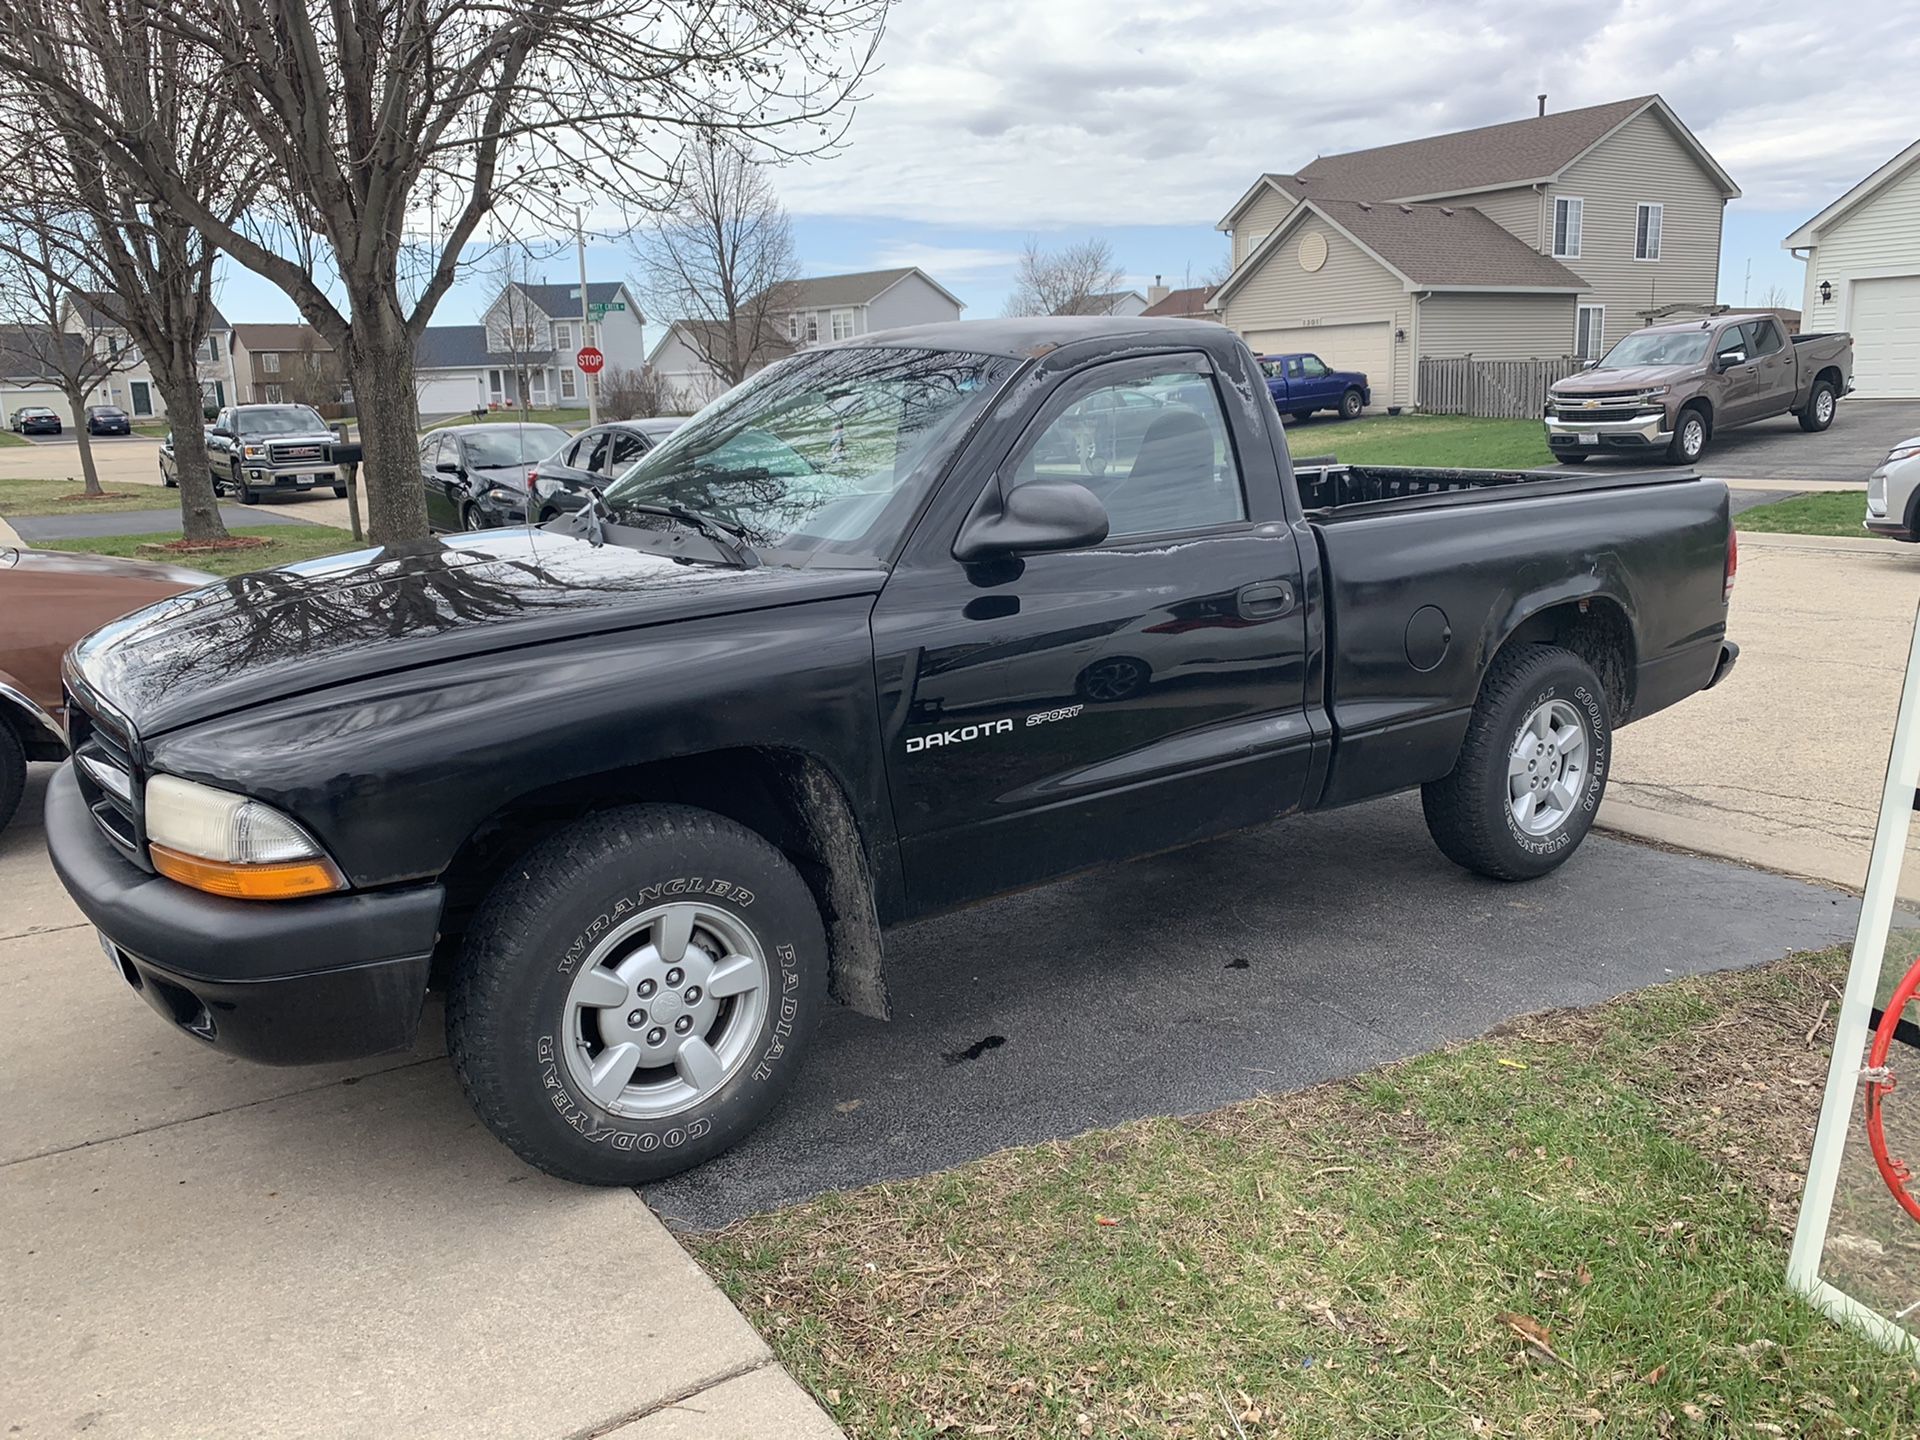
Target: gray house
[(1551, 236)]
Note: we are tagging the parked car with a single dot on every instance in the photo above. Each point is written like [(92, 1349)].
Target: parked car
[(50, 599), (592, 459), (108, 420), (478, 477), (36, 420), (1669, 389), (1893, 493), (651, 781), (1304, 384), (256, 450)]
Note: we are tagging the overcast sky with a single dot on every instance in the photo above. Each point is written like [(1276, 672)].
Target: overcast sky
[(994, 120)]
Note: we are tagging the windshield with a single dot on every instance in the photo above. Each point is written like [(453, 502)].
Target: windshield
[(829, 453), (522, 446), (1658, 347), (281, 420)]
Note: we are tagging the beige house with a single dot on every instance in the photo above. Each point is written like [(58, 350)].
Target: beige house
[(1545, 237), (1863, 275)]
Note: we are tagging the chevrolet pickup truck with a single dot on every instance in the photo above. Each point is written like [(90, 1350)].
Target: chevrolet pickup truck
[(640, 789), (258, 449), (1669, 389)]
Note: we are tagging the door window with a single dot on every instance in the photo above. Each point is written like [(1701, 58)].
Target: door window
[(1154, 448), (625, 448), (1732, 349), (1294, 371), (450, 451), (1312, 368), (1763, 337)]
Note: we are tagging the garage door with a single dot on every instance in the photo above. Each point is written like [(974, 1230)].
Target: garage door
[(28, 397), (450, 395), (1366, 348), (1886, 338)]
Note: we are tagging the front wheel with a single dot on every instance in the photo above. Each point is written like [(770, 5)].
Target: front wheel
[(1351, 405), (1689, 441), (13, 772), (241, 492), (636, 994), (339, 492), (1532, 770), (1820, 406), (1569, 457)]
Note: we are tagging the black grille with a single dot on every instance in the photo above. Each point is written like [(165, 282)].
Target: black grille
[(109, 779), (298, 454), (1611, 407)]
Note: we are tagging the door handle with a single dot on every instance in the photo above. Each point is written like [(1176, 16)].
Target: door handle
[(1265, 600)]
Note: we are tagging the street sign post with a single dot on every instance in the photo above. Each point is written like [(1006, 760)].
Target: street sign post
[(590, 360)]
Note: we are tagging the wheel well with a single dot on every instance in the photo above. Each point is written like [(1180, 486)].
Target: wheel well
[(35, 743), (1704, 406), (1831, 374), (1598, 631), (786, 797)]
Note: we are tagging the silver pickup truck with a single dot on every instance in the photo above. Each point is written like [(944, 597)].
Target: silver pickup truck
[(255, 449)]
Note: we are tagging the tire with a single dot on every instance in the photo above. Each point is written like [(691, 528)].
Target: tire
[(1569, 457), (469, 518), (13, 771), (1821, 404), (1302, 416), (170, 482), (240, 491), (1690, 436), (1473, 814), (521, 1036), (1351, 405), (339, 492)]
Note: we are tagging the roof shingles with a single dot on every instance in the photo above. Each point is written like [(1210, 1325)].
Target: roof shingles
[(1443, 245)]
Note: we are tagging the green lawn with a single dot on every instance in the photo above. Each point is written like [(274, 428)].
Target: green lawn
[(1837, 512), (7, 437), (57, 497), (288, 543), (1573, 1228), (568, 419), (1443, 440)]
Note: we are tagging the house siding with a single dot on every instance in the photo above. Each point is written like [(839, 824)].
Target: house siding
[(1515, 211), (1350, 288), (1497, 327), (1258, 221), (1643, 162), (1879, 236), (910, 302)]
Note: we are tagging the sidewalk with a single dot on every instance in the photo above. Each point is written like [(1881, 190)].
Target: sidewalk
[(1782, 765), (197, 1247)]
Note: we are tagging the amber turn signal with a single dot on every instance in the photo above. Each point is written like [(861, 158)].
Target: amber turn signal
[(287, 881)]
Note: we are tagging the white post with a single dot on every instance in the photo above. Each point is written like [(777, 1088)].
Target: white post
[(593, 381)]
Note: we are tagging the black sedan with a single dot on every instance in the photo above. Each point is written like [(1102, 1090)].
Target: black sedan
[(108, 420), (591, 460), (476, 476), (36, 420)]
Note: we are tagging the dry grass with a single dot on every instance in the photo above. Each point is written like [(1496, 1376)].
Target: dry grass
[(1570, 1227)]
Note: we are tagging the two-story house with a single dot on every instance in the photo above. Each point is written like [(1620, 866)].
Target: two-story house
[(525, 348), (795, 314), (1550, 236), (285, 364), (95, 317)]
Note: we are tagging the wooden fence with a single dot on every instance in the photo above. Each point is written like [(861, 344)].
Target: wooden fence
[(1492, 389)]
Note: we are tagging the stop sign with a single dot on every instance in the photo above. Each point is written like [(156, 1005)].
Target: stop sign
[(590, 360)]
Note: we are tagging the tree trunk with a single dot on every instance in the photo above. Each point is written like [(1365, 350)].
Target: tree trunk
[(380, 361), (77, 402), (199, 506)]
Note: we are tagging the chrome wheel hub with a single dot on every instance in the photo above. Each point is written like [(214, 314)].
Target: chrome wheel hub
[(665, 1010), (1823, 406), (1547, 768)]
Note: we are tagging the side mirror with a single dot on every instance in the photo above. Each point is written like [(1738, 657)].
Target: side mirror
[(447, 467), (1031, 519), (1730, 359)]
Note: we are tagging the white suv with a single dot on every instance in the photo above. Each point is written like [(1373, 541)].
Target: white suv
[(1891, 493)]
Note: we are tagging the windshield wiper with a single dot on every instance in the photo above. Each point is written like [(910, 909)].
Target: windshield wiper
[(729, 539), (596, 530)]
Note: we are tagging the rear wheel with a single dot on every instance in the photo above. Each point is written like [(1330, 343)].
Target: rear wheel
[(1820, 407), (636, 994), (1351, 405), (1689, 441), (1570, 457), (1532, 770), (1303, 416), (13, 771)]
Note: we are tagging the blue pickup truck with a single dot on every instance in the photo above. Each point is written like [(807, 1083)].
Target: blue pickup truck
[(1302, 384)]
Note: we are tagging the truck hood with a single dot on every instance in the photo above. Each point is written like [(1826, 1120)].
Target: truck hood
[(1628, 377), (276, 633)]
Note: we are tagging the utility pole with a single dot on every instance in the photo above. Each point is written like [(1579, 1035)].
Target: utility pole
[(1746, 284), (593, 381)]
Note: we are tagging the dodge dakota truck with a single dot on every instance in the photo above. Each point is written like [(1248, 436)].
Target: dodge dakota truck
[(640, 789), (1303, 384), (1669, 389)]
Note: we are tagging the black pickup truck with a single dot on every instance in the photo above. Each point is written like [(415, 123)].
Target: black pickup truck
[(870, 638)]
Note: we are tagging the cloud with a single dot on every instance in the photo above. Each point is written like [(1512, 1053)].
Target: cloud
[(962, 262), (1012, 115)]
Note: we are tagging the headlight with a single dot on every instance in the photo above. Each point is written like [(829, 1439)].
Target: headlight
[(227, 844), (1654, 392), (254, 452), (1905, 452)]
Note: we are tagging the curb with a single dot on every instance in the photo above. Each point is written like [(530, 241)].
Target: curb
[(10, 536), (1788, 540)]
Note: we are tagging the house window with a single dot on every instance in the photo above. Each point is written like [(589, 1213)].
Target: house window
[(274, 395), (793, 327), (1589, 330), (496, 394), (1566, 226), (813, 329), (567, 385), (843, 324), (1646, 231), (562, 336), (270, 362)]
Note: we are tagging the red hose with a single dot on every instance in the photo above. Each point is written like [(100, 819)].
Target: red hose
[(1894, 1172)]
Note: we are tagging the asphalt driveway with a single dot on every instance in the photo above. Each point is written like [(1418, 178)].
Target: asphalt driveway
[(1778, 449)]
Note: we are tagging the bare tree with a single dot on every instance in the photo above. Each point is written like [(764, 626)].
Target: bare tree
[(1064, 281), (41, 278), (627, 394), (1775, 298), (393, 120), (723, 260), (311, 374), (517, 328)]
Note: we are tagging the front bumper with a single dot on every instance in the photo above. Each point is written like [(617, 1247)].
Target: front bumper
[(290, 982), (308, 477), (1642, 432)]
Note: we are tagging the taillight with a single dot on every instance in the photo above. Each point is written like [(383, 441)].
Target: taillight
[(1733, 564), (532, 475)]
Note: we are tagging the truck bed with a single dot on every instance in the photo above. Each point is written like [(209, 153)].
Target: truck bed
[(1331, 491)]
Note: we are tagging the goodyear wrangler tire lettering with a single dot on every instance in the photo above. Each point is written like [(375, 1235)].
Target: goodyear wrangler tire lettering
[(613, 897)]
